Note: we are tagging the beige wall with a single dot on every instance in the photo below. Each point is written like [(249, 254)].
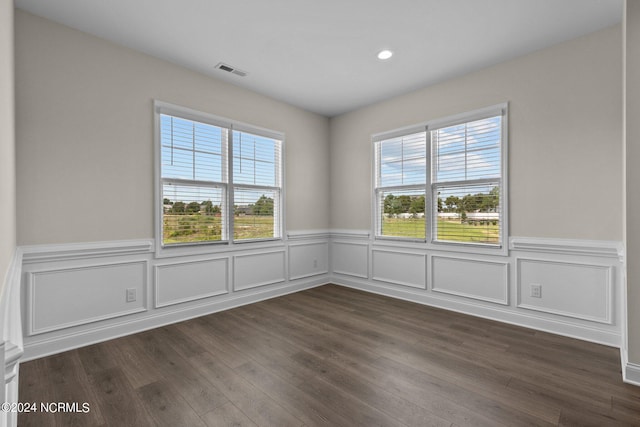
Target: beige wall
[(632, 147), (7, 141), (84, 134), (565, 146)]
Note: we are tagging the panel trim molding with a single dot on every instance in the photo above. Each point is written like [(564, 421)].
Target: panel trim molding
[(156, 280), (597, 248), (351, 273), (30, 294), (312, 274), (399, 282), (281, 279), (608, 319), (505, 266)]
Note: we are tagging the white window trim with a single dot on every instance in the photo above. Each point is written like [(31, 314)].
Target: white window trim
[(200, 248), (430, 243)]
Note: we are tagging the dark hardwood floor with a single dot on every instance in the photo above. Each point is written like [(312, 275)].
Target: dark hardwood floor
[(337, 357)]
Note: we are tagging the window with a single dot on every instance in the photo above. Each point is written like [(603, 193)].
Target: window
[(218, 181), (401, 185), (444, 182), (256, 190)]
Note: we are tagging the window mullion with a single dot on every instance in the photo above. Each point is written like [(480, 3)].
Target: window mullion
[(193, 148), (428, 227), (230, 189)]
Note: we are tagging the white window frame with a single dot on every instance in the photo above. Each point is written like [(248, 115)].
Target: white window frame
[(195, 248), (431, 188)]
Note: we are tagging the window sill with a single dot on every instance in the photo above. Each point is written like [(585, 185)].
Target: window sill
[(216, 248), (461, 248)]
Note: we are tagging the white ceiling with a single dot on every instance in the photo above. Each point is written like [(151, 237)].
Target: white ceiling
[(320, 55)]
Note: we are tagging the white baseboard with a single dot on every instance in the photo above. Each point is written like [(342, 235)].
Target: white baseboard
[(630, 371), (632, 374)]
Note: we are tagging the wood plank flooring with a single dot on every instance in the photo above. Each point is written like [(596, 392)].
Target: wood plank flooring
[(334, 356)]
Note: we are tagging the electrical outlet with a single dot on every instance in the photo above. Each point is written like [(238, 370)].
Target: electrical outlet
[(315, 263), (131, 294), (536, 290)]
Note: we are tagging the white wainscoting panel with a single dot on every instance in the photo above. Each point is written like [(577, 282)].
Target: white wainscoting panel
[(581, 291), (308, 259), (191, 280), (253, 270), (75, 294), (61, 298), (477, 279), (400, 268), (351, 259)]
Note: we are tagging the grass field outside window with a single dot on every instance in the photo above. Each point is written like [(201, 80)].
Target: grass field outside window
[(455, 230), (193, 228)]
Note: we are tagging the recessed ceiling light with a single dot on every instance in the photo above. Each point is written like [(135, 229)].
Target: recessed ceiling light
[(385, 54)]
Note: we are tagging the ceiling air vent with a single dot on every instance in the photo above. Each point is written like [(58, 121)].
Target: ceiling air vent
[(229, 69)]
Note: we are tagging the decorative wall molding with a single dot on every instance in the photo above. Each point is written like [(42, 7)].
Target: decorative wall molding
[(569, 282), (492, 277), (308, 259), (596, 248), (75, 251), (102, 288), (12, 345), (257, 272), (351, 263), (482, 284), (258, 269), (169, 288), (197, 279), (400, 268)]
